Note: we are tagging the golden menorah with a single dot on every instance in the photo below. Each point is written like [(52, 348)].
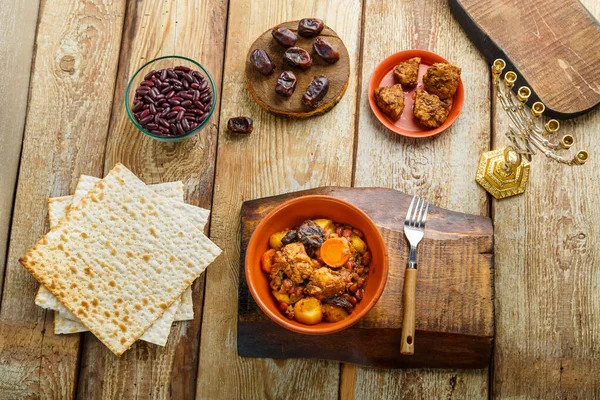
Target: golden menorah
[(505, 172)]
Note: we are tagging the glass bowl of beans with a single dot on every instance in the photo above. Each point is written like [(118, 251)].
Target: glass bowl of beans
[(170, 98)]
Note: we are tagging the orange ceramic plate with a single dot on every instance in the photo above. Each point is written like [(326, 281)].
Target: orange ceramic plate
[(406, 125)]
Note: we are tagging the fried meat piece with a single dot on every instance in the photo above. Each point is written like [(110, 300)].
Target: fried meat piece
[(407, 73), (293, 261), (442, 80), (390, 100), (429, 110), (325, 283)]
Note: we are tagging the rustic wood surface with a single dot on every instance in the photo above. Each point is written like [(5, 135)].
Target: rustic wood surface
[(262, 88), (547, 300), (547, 277), (18, 21), (454, 301), (541, 39)]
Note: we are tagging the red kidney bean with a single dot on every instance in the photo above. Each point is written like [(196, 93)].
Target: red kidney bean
[(172, 101), (182, 68), (361, 282), (339, 230), (282, 306), (149, 75), (137, 106), (366, 258), (359, 294), (185, 125), (358, 233), (352, 300), (346, 233), (144, 121)]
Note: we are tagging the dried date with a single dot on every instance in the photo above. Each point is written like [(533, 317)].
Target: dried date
[(284, 36), (243, 125), (310, 27), (311, 235), (298, 57), (326, 51), (290, 237), (262, 62), (286, 84), (316, 91)]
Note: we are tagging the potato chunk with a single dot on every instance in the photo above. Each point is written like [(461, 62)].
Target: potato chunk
[(333, 313), (326, 225), (358, 244), (275, 240), (308, 311)]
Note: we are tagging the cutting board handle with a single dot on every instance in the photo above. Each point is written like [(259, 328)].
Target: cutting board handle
[(407, 346)]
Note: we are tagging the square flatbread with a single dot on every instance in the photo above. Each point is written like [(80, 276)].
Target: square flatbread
[(65, 322), (57, 209), (120, 258)]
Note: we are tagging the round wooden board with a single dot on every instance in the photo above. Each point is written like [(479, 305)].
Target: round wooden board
[(262, 88)]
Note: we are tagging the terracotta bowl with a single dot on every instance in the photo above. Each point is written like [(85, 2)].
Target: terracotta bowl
[(406, 125), (292, 213)]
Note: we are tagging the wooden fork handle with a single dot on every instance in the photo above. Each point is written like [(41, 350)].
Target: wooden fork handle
[(407, 346)]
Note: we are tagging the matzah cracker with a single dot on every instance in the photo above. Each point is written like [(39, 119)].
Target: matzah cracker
[(120, 258), (58, 207), (65, 322), (198, 216)]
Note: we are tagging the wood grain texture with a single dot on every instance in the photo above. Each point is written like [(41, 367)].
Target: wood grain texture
[(540, 39), (453, 298), (279, 156), (195, 30), (262, 88), (18, 22), (547, 291), (71, 92), (440, 168)]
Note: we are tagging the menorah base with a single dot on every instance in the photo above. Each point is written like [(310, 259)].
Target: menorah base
[(497, 179)]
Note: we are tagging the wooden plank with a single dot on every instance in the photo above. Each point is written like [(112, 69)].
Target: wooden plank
[(18, 21), (547, 302), (540, 39), (195, 30), (279, 156), (71, 93), (440, 168), (454, 295)]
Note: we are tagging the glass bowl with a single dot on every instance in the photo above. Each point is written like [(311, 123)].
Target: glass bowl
[(162, 63)]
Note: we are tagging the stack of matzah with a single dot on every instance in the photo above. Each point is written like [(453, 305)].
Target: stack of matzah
[(120, 258)]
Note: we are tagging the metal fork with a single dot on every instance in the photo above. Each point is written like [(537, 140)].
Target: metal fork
[(414, 229)]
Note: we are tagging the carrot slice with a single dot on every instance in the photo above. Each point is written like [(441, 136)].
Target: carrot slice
[(266, 261), (335, 252)]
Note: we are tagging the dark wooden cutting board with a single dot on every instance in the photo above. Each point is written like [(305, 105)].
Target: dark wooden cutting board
[(455, 313), (554, 46)]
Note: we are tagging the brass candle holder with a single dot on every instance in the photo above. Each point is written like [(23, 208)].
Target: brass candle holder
[(505, 172)]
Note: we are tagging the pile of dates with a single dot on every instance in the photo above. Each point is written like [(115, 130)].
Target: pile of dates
[(300, 59)]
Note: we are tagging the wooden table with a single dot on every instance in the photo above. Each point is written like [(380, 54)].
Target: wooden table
[(65, 64)]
